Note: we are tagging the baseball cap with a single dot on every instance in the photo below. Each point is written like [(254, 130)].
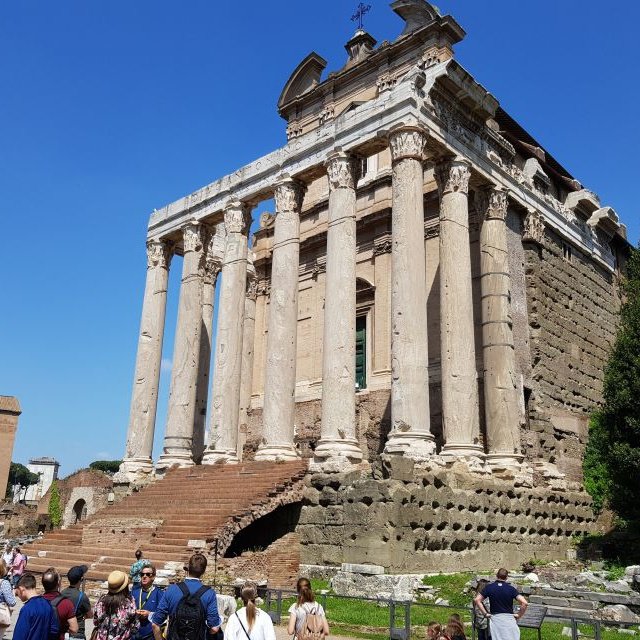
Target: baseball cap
[(75, 573)]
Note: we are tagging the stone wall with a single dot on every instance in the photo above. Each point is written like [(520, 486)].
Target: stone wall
[(412, 519), (9, 413), (573, 306), (111, 532)]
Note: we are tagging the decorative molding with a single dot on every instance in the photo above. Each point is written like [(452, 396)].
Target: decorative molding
[(327, 113), (159, 253), (492, 203), (341, 171), (382, 244), (192, 234), (263, 287), (452, 176), (431, 228), (386, 82), (294, 129), (408, 143), (288, 195), (319, 267), (533, 230), (237, 217)]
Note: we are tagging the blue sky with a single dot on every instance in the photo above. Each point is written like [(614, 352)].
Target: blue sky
[(109, 109)]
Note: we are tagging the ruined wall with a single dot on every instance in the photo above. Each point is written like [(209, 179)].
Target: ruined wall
[(9, 413), (573, 309), (435, 519)]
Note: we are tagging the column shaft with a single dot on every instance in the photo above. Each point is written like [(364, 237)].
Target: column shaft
[(144, 398), (460, 412), (178, 438), (225, 408), (500, 384), (410, 434), (248, 339), (338, 444), (280, 370)]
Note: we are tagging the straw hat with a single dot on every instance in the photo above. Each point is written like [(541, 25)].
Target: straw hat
[(117, 581)]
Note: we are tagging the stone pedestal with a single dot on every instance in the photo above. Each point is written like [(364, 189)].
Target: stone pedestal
[(178, 438), (338, 445), (225, 408), (280, 371), (500, 384), (410, 434), (144, 398), (246, 380), (213, 263), (460, 412)]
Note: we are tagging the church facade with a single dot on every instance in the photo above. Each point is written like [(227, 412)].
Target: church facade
[(426, 315)]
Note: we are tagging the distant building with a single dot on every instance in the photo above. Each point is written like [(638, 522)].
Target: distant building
[(47, 469), (9, 412)]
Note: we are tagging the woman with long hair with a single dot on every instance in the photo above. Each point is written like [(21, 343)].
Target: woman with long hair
[(114, 615), (249, 622), (7, 599), (306, 605)]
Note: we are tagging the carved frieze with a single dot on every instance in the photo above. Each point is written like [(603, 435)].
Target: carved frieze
[(159, 253), (382, 244), (294, 129), (533, 228), (237, 217), (407, 143), (263, 287), (452, 176), (320, 266), (327, 113), (386, 82), (192, 235), (288, 195), (341, 171)]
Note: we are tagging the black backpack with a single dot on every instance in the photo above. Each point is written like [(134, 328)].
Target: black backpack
[(54, 605), (189, 622)]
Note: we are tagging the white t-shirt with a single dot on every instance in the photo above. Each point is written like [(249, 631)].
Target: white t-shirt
[(262, 626), (301, 612)]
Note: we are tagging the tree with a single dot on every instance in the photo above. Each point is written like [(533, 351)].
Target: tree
[(55, 507), (108, 466), (612, 458), (21, 477)]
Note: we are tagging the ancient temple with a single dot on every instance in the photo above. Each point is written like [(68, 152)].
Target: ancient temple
[(433, 300)]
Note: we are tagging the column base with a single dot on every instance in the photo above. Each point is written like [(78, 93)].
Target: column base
[(336, 454), (471, 454), (276, 452), (174, 459), (217, 456), (133, 469), (416, 445), (505, 461)]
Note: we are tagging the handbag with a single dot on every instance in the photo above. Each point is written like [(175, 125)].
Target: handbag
[(5, 615)]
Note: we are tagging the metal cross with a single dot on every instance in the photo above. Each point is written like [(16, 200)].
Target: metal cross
[(359, 14)]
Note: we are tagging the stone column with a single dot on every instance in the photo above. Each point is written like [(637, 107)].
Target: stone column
[(410, 434), (212, 265), (144, 399), (178, 437), (460, 411), (500, 383), (338, 445), (246, 380), (280, 370), (225, 408)]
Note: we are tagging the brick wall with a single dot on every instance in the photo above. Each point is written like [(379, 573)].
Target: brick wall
[(9, 413)]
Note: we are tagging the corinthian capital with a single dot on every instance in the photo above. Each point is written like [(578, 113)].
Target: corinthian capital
[(453, 176), (407, 143), (341, 170), (288, 195), (215, 254), (492, 203), (192, 235), (533, 230), (237, 217), (159, 253)]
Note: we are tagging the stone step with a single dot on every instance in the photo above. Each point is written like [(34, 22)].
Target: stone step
[(566, 613), (572, 603)]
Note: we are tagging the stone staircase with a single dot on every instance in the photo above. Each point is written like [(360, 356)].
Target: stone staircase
[(188, 508)]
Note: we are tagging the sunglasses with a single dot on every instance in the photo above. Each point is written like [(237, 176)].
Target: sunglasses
[(148, 575)]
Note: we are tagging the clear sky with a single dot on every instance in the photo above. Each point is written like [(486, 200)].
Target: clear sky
[(109, 109)]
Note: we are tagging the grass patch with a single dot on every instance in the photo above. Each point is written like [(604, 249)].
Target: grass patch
[(452, 587)]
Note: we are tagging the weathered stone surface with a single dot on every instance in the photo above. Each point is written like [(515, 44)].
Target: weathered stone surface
[(618, 613), (363, 569), (383, 587)]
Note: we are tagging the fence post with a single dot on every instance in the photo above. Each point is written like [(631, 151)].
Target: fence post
[(598, 633), (407, 619), (574, 629), (392, 617), (279, 607)]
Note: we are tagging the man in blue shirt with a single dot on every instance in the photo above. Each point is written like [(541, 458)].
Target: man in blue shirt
[(502, 620), (147, 598), (37, 620), (173, 595)]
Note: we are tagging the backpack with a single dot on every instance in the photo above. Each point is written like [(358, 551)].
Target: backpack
[(189, 622), (54, 630), (312, 626)]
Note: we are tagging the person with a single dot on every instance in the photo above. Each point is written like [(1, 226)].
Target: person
[(455, 628), (433, 630), (305, 605), (75, 593), (7, 556), (147, 598), (249, 622), (63, 606), (18, 565), (115, 616), (502, 619), (37, 619), (480, 621), (177, 595), (137, 566), (7, 599)]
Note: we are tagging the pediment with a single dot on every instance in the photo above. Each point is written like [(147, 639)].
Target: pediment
[(305, 77), (584, 199), (605, 219)]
